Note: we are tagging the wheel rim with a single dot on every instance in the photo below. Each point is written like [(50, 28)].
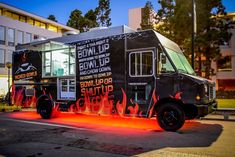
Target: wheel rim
[(44, 111), (170, 117)]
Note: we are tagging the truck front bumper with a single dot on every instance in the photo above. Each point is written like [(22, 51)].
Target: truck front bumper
[(206, 109)]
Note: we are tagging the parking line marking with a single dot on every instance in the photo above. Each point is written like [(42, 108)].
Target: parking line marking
[(44, 123)]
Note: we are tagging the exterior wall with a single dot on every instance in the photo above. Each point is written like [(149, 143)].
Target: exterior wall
[(25, 28), (226, 76), (134, 18), (35, 32)]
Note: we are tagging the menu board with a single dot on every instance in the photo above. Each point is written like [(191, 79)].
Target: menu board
[(95, 74)]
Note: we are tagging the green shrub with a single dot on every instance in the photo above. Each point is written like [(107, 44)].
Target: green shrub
[(225, 94), (226, 103), (6, 107)]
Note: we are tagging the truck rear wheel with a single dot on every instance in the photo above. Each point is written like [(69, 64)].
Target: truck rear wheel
[(45, 108), (170, 116)]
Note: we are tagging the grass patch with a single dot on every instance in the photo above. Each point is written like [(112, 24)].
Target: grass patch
[(226, 103), (7, 108)]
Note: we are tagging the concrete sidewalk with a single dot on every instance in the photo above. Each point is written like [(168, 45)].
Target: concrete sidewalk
[(218, 117)]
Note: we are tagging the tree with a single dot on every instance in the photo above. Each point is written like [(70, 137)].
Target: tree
[(146, 19), (90, 20), (103, 11), (76, 20), (52, 17), (174, 21)]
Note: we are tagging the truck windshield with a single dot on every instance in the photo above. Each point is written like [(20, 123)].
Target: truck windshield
[(180, 61)]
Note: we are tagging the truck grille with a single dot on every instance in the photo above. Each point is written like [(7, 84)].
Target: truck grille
[(212, 93)]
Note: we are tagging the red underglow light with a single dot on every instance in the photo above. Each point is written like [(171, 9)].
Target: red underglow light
[(82, 120), (114, 124)]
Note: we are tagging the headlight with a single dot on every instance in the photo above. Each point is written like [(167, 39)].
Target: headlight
[(206, 88)]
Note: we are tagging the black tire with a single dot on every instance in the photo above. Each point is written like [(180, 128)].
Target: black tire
[(170, 116), (45, 108)]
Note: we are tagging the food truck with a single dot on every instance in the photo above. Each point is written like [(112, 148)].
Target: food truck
[(112, 71)]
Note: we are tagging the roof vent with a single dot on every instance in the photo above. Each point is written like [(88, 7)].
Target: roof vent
[(69, 33), (97, 28), (39, 39)]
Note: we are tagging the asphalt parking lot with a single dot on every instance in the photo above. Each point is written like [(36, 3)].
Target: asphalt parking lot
[(25, 134)]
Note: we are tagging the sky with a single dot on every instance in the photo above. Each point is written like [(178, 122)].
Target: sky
[(62, 8)]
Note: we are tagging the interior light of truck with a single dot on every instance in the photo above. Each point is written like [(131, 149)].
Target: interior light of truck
[(198, 97), (206, 88)]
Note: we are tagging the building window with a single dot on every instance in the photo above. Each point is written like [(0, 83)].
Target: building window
[(2, 35), (8, 14), (43, 25), (12, 15), (52, 28), (36, 23), (39, 24), (30, 21), (2, 58), (35, 37), (11, 37), (9, 56), (22, 18), (27, 38), (141, 63), (224, 64), (60, 62), (1, 12), (15, 16), (20, 37)]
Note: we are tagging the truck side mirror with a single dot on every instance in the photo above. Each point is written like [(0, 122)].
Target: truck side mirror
[(163, 59)]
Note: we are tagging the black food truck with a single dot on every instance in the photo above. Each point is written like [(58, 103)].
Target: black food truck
[(112, 71)]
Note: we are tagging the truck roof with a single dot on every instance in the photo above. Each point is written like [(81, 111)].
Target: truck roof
[(93, 34), (97, 34)]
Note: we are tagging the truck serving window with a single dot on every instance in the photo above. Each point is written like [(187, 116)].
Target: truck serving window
[(141, 63), (59, 62)]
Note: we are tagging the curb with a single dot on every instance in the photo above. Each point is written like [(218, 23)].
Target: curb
[(218, 119)]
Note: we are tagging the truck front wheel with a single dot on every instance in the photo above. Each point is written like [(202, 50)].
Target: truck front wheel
[(170, 116), (45, 108)]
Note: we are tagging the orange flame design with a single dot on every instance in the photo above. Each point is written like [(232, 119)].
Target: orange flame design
[(121, 106), (177, 96), (17, 97), (55, 111), (30, 102), (133, 110), (99, 105), (155, 100)]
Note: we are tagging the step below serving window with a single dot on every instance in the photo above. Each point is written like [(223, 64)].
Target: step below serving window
[(59, 62)]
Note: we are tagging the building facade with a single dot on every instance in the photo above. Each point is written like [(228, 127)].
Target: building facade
[(20, 27), (225, 67), (135, 17)]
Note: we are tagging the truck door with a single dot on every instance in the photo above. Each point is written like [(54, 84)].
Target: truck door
[(140, 80), (165, 75)]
